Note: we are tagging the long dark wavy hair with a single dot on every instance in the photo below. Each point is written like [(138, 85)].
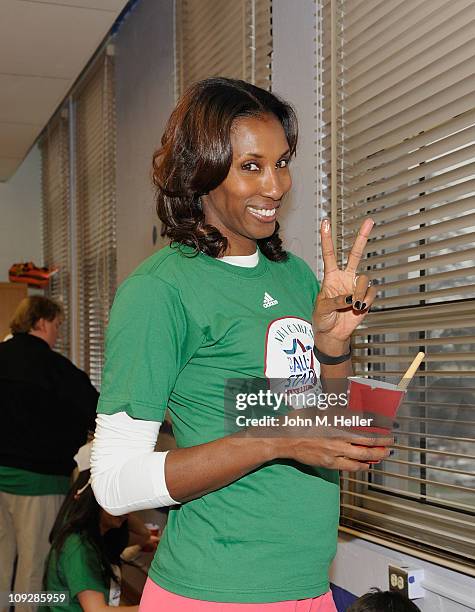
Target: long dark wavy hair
[(81, 515), (196, 155)]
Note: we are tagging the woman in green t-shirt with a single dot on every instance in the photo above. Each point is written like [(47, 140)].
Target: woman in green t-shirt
[(255, 519), (84, 561)]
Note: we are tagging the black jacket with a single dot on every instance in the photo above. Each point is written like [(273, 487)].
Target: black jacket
[(47, 405)]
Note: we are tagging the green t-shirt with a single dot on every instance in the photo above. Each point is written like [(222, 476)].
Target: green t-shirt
[(179, 328), (78, 570), (24, 482)]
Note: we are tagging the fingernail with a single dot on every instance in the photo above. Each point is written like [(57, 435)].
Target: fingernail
[(357, 305), (326, 225), (363, 305), (349, 299)]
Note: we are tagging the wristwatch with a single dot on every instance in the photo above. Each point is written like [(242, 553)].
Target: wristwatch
[(328, 359)]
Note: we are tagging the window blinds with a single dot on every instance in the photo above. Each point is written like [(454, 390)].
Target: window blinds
[(221, 38), (95, 205), (54, 147), (398, 141)]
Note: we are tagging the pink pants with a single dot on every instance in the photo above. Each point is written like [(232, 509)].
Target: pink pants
[(156, 599)]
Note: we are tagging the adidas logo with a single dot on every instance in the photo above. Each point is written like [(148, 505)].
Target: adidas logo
[(269, 301)]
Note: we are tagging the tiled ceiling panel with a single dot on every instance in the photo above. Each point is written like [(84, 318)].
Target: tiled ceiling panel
[(8, 165), (48, 39), (18, 92), (44, 46), (99, 5), (16, 138)]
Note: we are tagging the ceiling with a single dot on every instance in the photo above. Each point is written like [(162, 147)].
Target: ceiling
[(44, 46)]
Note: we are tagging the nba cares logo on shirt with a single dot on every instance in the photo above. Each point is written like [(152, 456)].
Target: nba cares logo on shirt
[(289, 351), (268, 301)]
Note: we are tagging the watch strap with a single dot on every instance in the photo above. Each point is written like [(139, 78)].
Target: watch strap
[(329, 359)]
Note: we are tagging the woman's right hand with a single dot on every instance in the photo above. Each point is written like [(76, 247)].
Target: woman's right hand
[(335, 452), (298, 436)]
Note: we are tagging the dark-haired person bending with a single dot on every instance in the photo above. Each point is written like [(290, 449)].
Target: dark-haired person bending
[(383, 601), (47, 407), (258, 517), (84, 561)]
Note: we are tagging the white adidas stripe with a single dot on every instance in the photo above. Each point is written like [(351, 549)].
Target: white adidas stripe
[(269, 301)]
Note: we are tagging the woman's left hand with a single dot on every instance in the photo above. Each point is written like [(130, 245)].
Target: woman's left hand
[(344, 297)]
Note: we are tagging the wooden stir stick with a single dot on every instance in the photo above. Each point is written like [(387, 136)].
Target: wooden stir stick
[(411, 370)]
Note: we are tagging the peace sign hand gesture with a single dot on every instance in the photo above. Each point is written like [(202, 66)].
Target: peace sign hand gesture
[(344, 298)]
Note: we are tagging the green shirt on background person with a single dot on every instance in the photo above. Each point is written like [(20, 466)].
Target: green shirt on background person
[(23, 482), (77, 569)]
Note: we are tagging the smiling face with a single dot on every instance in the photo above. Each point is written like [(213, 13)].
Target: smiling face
[(244, 206)]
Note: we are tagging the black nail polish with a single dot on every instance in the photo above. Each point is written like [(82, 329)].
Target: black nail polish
[(349, 299), (357, 305), (363, 305)]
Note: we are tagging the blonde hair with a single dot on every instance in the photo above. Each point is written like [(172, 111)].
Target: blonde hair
[(30, 310)]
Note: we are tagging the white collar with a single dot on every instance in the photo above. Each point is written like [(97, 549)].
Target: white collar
[(245, 261)]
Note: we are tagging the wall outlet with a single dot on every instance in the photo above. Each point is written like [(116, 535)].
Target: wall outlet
[(407, 581)]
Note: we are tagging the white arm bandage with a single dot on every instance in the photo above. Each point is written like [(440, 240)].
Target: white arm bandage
[(126, 473)]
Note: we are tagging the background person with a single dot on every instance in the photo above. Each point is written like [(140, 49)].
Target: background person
[(383, 601), (47, 407), (258, 518), (86, 544)]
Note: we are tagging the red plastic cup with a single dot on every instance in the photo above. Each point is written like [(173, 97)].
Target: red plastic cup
[(369, 396), (154, 531)]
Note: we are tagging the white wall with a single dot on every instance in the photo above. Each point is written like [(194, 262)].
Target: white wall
[(20, 215), (293, 71), (145, 99)]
